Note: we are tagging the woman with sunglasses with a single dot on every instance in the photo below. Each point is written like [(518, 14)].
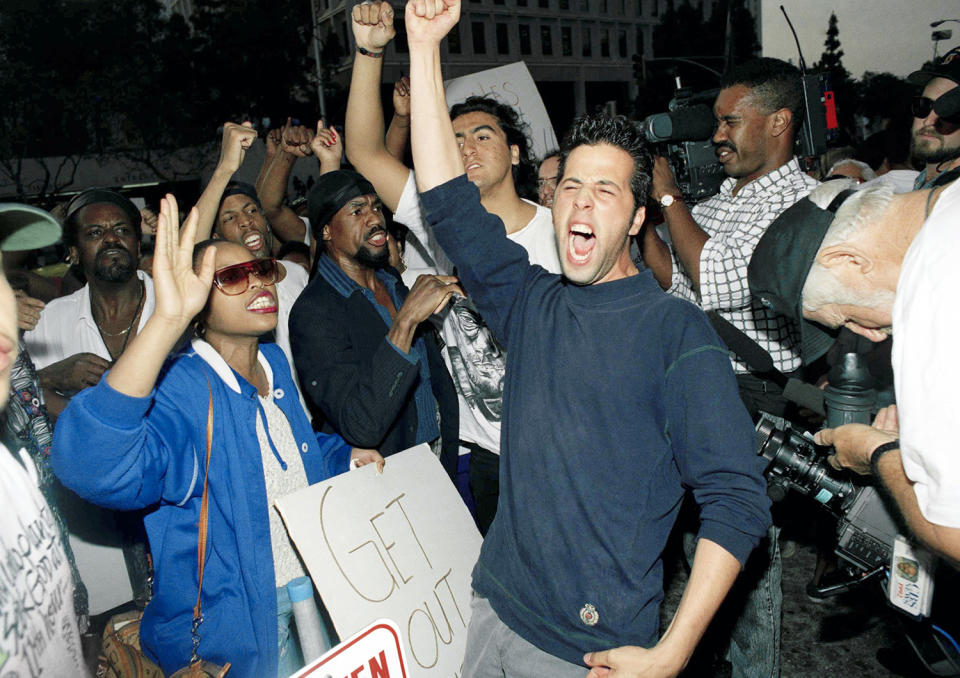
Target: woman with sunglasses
[(138, 439)]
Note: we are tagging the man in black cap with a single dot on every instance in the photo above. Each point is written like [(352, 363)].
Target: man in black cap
[(77, 338), (875, 262), (936, 121), (367, 360)]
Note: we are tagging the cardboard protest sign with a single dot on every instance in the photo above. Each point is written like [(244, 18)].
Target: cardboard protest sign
[(377, 651), (513, 85), (398, 545)]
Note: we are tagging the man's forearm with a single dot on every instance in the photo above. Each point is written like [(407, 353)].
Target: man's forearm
[(687, 238), (944, 540), (209, 202), (397, 135), (714, 571), (435, 152), (272, 190)]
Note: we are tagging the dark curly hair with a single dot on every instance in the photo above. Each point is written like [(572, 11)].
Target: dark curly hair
[(516, 131), (591, 130), (774, 84)]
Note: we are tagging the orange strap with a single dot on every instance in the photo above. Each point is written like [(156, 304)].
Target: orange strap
[(204, 503)]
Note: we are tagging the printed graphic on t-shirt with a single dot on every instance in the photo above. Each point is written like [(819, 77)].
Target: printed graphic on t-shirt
[(478, 363)]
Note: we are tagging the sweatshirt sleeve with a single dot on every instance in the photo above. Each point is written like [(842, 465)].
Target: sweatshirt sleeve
[(336, 453), (490, 266), (126, 453), (714, 442)]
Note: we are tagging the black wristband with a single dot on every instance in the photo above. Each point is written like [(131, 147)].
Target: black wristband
[(879, 452), (366, 52)]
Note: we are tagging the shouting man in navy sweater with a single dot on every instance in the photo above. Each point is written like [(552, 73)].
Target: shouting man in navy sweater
[(618, 397)]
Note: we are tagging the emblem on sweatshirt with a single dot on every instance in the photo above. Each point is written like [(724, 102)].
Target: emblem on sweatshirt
[(589, 615)]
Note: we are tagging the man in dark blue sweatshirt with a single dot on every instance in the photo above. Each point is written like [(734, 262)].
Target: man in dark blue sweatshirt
[(618, 398)]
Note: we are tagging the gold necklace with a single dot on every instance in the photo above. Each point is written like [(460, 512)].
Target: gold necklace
[(104, 335)]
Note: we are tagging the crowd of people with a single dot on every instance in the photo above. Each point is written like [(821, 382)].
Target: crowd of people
[(550, 329)]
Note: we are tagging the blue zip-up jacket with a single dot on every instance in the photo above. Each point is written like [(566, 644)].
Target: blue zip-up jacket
[(129, 453)]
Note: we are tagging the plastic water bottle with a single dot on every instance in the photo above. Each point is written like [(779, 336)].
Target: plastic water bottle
[(312, 643)]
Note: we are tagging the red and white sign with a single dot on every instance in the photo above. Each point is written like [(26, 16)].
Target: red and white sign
[(375, 652)]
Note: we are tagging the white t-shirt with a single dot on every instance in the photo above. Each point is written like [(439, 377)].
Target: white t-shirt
[(926, 364), (475, 360), (36, 589), (288, 290), (66, 327)]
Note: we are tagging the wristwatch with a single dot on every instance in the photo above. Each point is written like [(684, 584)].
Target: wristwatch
[(666, 200)]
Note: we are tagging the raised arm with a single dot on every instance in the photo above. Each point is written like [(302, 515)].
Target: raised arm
[(180, 295), (399, 131), (327, 145), (436, 155), (687, 237), (373, 30), (295, 143), (233, 148)]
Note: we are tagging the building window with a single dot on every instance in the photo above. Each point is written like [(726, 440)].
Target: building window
[(503, 40), (604, 43), (544, 4), (525, 39), (604, 6), (401, 40), (521, 3), (656, 8), (587, 40), (640, 7), (584, 5), (453, 40), (639, 40), (546, 41), (564, 4), (345, 35), (566, 40), (479, 38), (622, 44)]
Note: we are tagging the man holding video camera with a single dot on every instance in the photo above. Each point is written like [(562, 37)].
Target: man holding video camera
[(758, 111), (883, 261)]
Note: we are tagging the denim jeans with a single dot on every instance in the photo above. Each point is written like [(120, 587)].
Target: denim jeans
[(752, 611)]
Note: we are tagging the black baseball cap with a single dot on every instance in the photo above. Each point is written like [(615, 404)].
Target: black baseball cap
[(947, 67), (780, 265)]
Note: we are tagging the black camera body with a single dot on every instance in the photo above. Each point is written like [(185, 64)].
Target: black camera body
[(867, 526), (684, 134)]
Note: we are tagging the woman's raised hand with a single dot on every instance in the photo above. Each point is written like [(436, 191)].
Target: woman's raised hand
[(180, 293)]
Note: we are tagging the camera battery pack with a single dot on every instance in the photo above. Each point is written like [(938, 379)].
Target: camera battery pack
[(911, 578)]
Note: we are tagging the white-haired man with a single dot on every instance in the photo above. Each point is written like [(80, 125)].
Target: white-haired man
[(884, 263)]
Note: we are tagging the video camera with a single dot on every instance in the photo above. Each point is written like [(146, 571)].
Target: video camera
[(684, 134), (867, 528)]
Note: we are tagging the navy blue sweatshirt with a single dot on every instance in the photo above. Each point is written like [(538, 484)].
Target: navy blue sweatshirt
[(618, 398)]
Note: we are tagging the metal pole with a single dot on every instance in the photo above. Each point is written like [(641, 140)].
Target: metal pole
[(316, 57)]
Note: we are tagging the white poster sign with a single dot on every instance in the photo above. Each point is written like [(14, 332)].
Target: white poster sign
[(513, 85), (399, 545), (377, 651)]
